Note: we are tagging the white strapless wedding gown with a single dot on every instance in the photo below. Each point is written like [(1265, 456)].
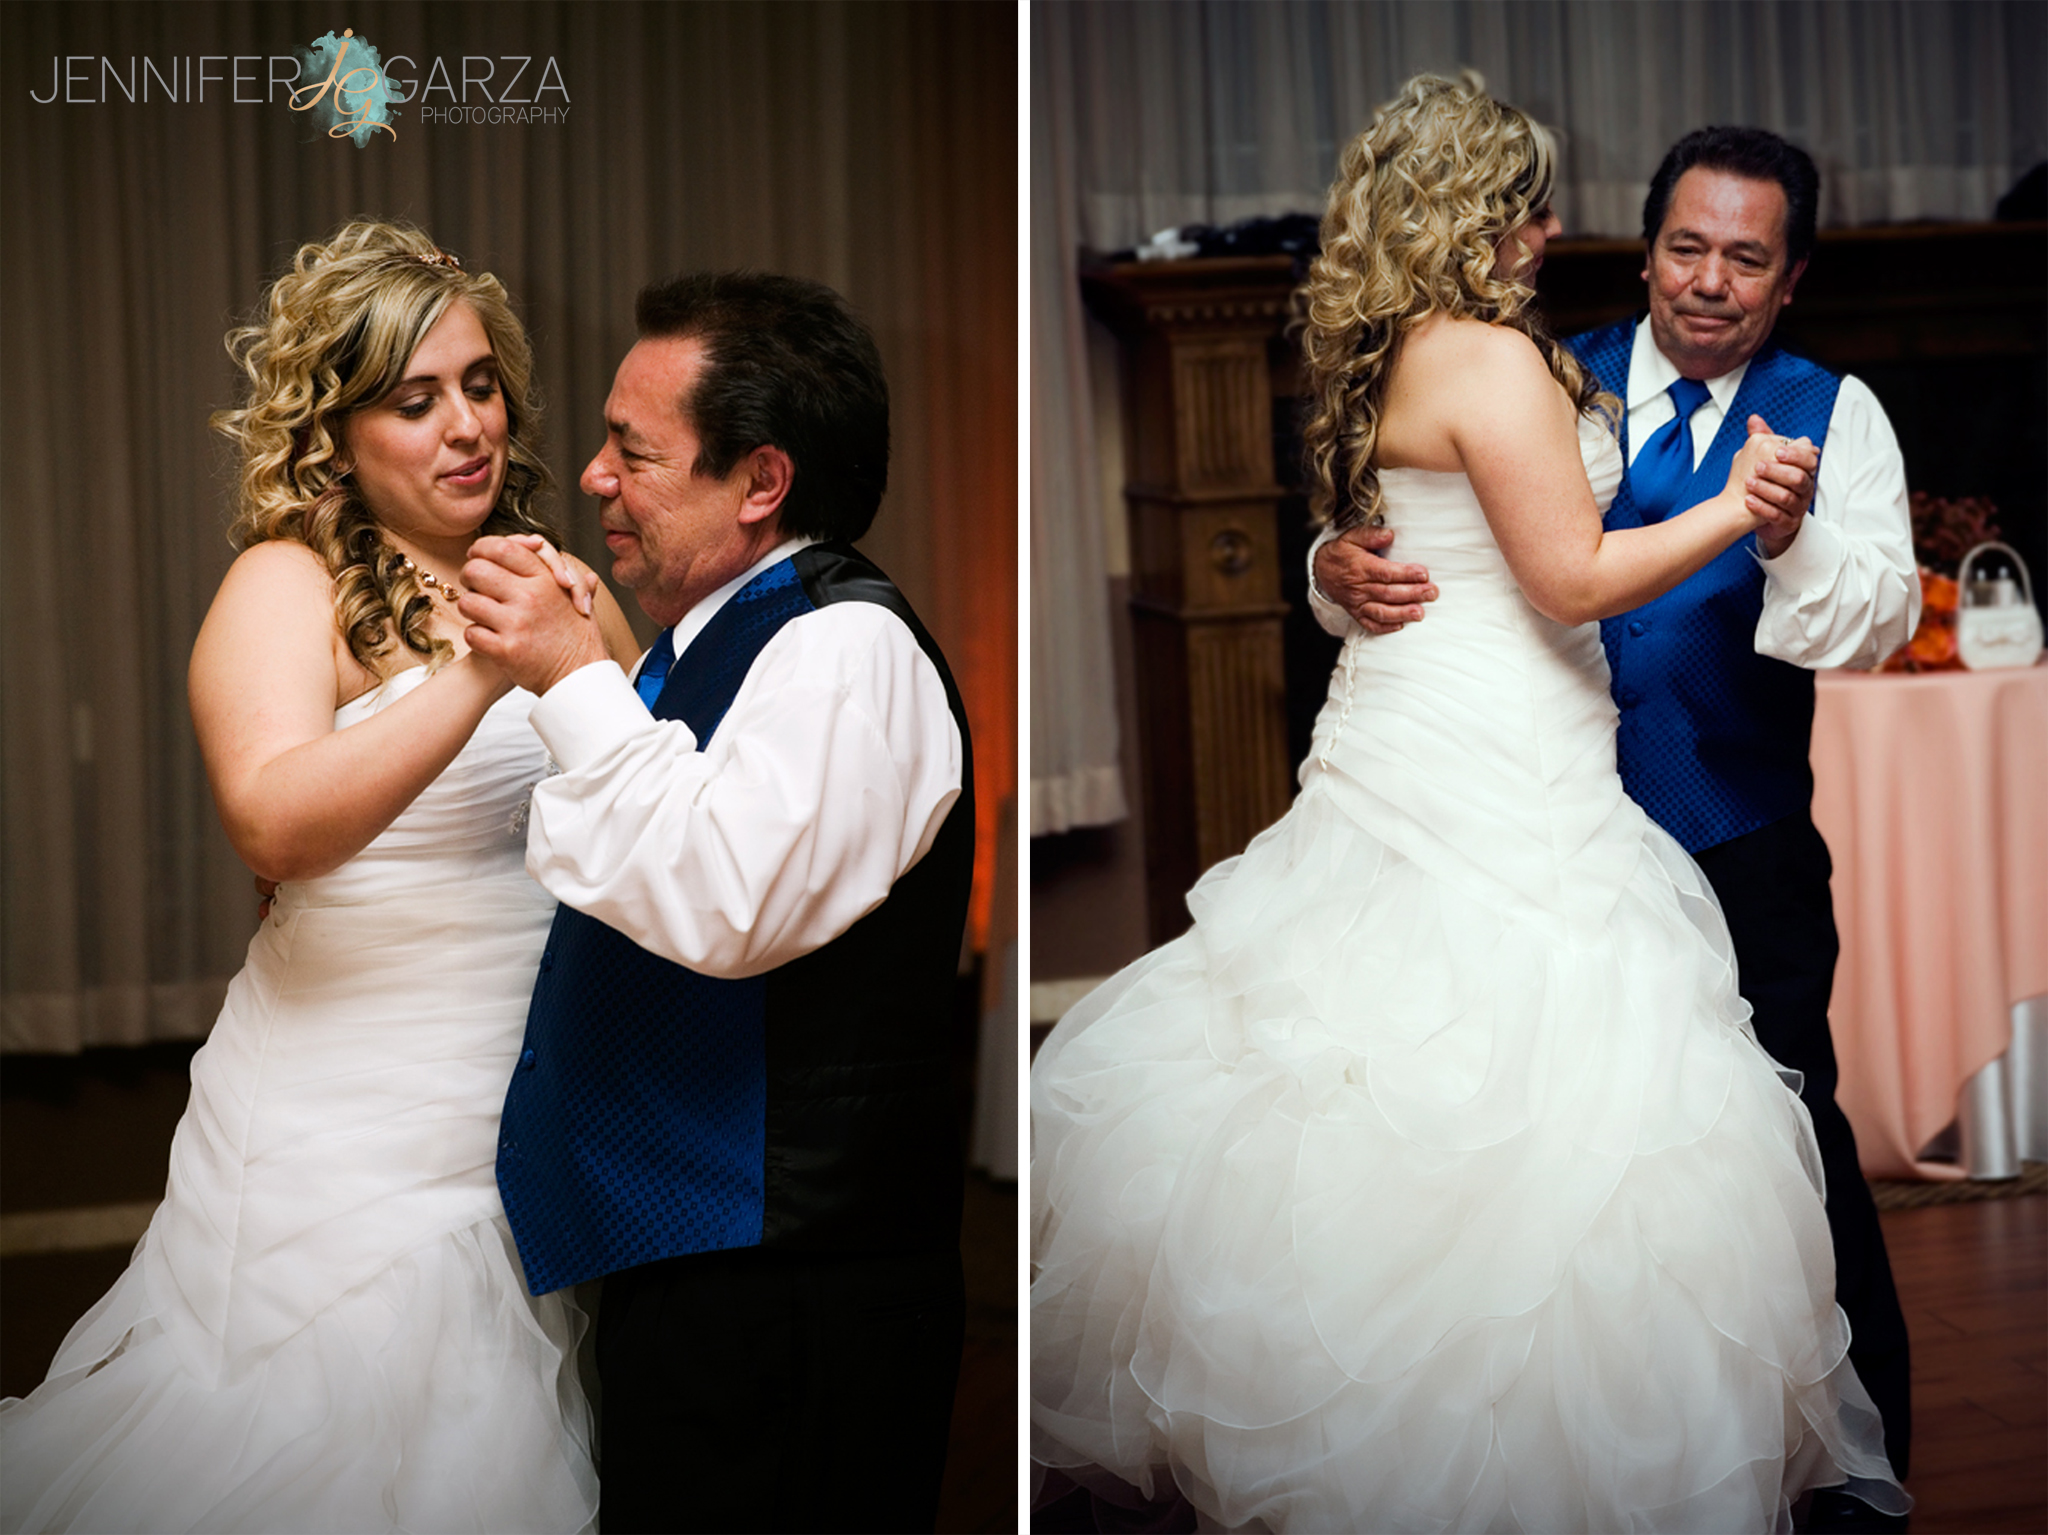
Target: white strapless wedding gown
[(1434, 1180), (325, 1327)]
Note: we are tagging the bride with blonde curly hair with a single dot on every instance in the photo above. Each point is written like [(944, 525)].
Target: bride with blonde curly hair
[(326, 1326), (1434, 1180)]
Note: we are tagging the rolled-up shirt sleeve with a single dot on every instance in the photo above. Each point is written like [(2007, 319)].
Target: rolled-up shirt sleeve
[(827, 779), (1329, 617), (1847, 591)]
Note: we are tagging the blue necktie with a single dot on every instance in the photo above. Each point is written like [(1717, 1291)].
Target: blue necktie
[(1657, 477), (654, 670)]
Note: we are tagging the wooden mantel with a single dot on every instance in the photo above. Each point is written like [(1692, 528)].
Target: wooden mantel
[(1205, 581)]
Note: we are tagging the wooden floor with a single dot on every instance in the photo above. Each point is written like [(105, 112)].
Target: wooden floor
[(979, 1493), (1973, 1279)]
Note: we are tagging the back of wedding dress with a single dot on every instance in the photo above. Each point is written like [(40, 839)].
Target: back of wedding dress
[(1434, 1180)]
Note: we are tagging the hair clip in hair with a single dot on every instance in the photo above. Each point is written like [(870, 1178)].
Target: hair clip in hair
[(439, 258)]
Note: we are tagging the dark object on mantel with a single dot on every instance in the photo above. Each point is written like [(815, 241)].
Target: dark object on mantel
[(1295, 235), (1292, 234)]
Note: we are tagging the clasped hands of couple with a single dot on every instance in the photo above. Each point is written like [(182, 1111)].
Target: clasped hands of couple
[(531, 613), (1776, 476), (529, 608)]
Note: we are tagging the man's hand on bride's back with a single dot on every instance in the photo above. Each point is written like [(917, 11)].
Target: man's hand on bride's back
[(1379, 594), (1777, 476)]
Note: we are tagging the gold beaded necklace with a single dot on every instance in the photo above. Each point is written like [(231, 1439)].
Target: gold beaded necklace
[(433, 583)]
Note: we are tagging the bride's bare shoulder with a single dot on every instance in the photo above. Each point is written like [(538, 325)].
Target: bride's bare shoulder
[(276, 598), (1456, 342), (1449, 373), (280, 566)]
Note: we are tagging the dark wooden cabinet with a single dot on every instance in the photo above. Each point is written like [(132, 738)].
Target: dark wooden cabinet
[(1205, 582)]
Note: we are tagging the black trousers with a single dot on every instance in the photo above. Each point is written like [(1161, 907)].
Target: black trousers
[(1773, 886), (755, 1390)]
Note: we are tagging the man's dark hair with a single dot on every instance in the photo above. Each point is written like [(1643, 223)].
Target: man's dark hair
[(1756, 153), (787, 366)]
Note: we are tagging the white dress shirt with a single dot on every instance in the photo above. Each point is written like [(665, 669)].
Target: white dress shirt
[(1847, 591), (825, 782)]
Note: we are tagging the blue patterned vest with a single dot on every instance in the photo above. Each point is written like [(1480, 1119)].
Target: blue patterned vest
[(656, 1112), (1713, 737)]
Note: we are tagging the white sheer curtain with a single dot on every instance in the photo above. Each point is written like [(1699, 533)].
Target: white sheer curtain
[(1176, 113), (1074, 775)]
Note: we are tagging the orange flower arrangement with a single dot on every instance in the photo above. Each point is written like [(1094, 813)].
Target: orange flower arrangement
[(1933, 645), (1943, 532)]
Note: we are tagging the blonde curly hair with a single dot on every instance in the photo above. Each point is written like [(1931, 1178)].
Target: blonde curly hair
[(334, 334), (1421, 201)]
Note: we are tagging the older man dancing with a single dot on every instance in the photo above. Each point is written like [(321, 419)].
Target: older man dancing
[(735, 1099)]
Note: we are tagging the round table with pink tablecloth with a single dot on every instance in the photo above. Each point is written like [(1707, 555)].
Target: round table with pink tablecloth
[(1932, 792)]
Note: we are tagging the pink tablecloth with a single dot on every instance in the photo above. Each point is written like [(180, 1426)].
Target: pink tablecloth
[(1932, 792)]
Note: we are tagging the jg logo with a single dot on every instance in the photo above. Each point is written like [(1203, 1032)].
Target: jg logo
[(352, 101)]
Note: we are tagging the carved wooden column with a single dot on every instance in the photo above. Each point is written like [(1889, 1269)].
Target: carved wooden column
[(1205, 586)]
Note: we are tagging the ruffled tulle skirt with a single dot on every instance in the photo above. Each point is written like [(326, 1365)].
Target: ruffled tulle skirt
[(326, 1327), (1384, 1200), (436, 1396)]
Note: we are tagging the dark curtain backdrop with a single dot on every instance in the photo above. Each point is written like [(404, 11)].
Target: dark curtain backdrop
[(868, 145)]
